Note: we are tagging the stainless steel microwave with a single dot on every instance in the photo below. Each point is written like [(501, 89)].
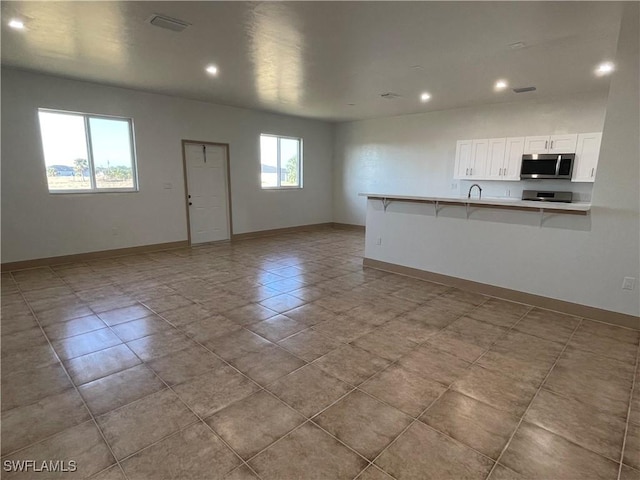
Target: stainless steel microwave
[(547, 165)]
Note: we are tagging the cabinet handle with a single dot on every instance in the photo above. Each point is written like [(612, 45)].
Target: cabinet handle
[(504, 172), (551, 144), (471, 171), (546, 144), (466, 172), (500, 172), (592, 171)]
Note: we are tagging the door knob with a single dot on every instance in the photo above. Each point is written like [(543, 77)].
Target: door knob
[(190, 203)]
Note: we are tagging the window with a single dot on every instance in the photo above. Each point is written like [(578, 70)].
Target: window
[(280, 161), (87, 153)]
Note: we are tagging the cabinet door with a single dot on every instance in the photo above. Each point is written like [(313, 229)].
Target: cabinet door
[(536, 144), (495, 158), (587, 153), (463, 159), (479, 153), (513, 158), (563, 143)]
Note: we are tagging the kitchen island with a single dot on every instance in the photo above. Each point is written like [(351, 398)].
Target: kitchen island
[(496, 246)]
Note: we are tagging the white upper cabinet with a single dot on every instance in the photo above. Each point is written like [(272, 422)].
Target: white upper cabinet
[(495, 158), (471, 158), (479, 155), (551, 144), (563, 143), (587, 152), (513, 158), (505, 158), (501, 158), (463, 159), (536, 144)]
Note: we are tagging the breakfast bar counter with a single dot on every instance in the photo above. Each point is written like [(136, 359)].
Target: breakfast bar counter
[(574, 208)]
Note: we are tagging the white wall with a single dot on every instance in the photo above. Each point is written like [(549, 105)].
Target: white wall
[(414, 154), (36, 224), (575, 259)]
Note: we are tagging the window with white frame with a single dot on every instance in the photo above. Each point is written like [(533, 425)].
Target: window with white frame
[(87, 153), (280, 162)]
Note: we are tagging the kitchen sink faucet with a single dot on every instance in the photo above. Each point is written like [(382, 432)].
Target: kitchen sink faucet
[(479, 190)]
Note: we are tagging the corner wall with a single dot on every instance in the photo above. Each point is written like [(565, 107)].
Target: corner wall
[(578, 260), (414, 154), (36, 224)]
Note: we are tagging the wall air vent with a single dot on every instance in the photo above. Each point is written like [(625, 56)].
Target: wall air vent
[(167, 23), (390, 95), (524, 89)]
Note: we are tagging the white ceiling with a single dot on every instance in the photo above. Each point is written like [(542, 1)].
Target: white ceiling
[(312, 59)]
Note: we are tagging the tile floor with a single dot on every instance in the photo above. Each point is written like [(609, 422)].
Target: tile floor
[(282, 358)]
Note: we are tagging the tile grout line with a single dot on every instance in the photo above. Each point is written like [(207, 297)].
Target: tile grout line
[(310, 419), (262, 388), (568, 440), (75, 387), (536, 425), (169, 387), (417, 419), (357, 387), (513, 434), (504, 299), (142, 362), (626, 427), (449, 388), (307, 419), (245, 463), (276, 343)]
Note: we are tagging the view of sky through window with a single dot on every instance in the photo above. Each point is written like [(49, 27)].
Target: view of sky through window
[(73, 164)]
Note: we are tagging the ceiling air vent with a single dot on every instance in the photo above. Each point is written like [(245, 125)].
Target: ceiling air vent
[(390, 95), (168, 23), (524, 89)]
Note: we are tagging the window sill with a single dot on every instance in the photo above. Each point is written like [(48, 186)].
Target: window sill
[(89, 192)]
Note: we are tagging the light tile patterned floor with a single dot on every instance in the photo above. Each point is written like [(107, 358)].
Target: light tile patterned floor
[(282, 358)]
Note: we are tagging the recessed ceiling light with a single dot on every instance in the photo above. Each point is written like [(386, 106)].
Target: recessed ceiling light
[(501, 85), (605, 68), (17, 24), (517, 45), (424, 97), (212, 70), (351, 104)]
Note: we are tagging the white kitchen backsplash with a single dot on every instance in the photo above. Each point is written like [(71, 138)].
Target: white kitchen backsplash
[(492, 188)]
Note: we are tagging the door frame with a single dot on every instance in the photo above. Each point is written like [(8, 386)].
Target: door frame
[(186, 185)]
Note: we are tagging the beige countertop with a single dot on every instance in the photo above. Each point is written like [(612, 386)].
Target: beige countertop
[(575, 207)]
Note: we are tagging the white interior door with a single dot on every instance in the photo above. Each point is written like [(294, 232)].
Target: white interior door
[(208, 195)]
